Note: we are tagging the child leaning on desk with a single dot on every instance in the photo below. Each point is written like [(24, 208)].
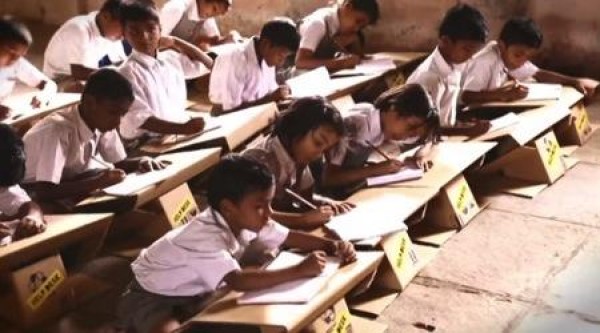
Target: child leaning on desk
[(176, 276), (402, 114), (15, 40)]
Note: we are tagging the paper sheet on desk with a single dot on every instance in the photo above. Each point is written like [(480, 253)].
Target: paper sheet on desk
[(405, 174), (313, 83), (12, 227), (508, 119), (367, 221), (293, 292), (542, 91), (136, 182), (369, 67)]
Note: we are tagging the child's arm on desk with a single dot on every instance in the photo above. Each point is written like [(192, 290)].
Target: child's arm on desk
[(305, 59), (279, 94), (306, 220), (160, 126), (307, 242), (585, 86), (141, 164), (508, 93), (190, 50), (336, 175), (471, 129), (75, 188), (32, 221)]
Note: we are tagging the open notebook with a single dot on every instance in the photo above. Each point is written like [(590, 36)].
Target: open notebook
[(366, 221), (313, 83), (136, 182), (293, 292), (542, 91), (368, 67), (403, 175)]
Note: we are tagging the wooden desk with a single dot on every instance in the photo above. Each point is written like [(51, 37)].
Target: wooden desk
[(403, 201), (235, 128), (188, 165), (86, 231), (23, 113), (288, 317)]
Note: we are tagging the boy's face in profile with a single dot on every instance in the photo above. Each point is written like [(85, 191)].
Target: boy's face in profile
[(275, 55), (106, 114), (11, 52), (143, 36), (459, 51), (207, 8), (112, 28), (252, 212), (351, 20), (515, 56), (314, 144), (396, 127)]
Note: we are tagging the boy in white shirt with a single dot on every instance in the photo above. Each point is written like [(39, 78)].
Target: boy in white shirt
[(158, 77), (177, 274), (70, 153), (244, 76), (15, 40), (332, 36), (462, 33), (509, 59), (79, 46), (194, 21), (19, 216)]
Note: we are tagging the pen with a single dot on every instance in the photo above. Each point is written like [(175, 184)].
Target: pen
[(379, 151), (300, 198), (104, 163)]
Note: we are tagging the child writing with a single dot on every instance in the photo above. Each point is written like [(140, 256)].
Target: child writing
[(462, 33), (509, 59), (15, 40), (175, 276), (309, 128), (400, 114)]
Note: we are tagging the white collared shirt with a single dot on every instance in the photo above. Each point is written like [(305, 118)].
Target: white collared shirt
[(363, 124), (443, 82), (193, 259), (487, 71), (159, 88), (314, 27), (238, 77), (23, 71), (180, 18), (61, 146), (11, 200), (79, 41)]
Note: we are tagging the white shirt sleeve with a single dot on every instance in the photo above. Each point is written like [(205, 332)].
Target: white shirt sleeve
[(46, 153), (226, 85), (170, 14), (191, 68), (74, 48), (139, 111), (477, 76), (272, 235), (312, 32), (111, 147), (525, 72), (29, 74), (210, 28), (11, 200)]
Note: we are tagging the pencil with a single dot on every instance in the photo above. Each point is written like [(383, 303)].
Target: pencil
[(300, 198), (379, 151), (104, 163)]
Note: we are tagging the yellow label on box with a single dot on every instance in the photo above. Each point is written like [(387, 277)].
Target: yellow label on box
[(403, 252), (183, 212), (583, 123), (552, 151), (462, 200), (342, 322), (45, 290)]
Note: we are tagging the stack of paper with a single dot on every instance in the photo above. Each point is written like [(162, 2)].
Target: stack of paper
[(136, 182), (293, 292), (508, 119), (367, 221), (542, 91), (368, 67), (314, 83), (403, 175)]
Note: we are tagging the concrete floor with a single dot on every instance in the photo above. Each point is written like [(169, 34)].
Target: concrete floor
[(520, 266)]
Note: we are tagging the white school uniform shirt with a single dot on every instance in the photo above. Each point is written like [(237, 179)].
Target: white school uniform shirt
[(61, 146), (486, 71), (24, 72), (11, 199), (159, 88), (239, 77), (443, 82), (180, 18), (79, 41), (315, 26), (194, 258)]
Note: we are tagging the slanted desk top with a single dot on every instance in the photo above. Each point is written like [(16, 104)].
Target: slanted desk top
[(23, 113)]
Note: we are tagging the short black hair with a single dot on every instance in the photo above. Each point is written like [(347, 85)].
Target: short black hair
[(410, 100), (236, 176), (464, 22), (113, 7), (225, 2), (108, 84), (369, 7), (12, 31), (12, 157), (304, 115), (522, 31), (138, 11), (281, 31)]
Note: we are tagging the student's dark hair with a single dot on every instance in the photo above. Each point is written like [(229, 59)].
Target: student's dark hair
[(369, 7), (12, 157), (113, 7), (410, 100), (108, 84), (227, 3), (12, 31), (235, 177), (138, 10), (464, 22), (281, 31), (304, 115), (522, 31)]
